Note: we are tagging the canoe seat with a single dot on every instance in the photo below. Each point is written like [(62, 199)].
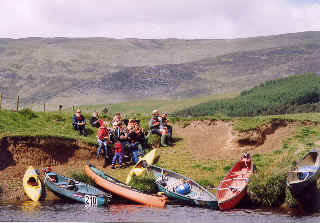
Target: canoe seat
[(33, 182)]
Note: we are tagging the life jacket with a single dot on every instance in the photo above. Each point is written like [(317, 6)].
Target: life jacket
[(118, 147), (79, 118), (102, 133)]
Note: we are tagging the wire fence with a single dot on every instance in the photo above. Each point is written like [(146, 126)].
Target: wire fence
[(17, 104)]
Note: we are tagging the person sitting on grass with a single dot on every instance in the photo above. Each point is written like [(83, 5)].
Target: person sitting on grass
[(103, 140), (167, 127), (118, 154), (95, 121), (117, 118), (79, 122), (156, 127), (136, 152)]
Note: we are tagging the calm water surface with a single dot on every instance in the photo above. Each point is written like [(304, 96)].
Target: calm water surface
[(58, 211)]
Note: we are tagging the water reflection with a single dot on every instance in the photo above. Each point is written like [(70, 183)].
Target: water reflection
[(61, 211)]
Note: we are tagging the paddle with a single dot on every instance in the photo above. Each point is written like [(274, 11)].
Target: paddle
[(226, 188)]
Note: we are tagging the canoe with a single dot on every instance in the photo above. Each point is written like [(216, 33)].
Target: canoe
[(139, 168), (32, 184), (65, 187), (305, 172), (115, 186), (233, 187), (182, 188)]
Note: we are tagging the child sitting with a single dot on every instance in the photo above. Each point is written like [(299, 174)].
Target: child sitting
[(118, 154)]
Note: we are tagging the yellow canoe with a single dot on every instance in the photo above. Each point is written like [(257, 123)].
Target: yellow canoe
[(138, 169), (32, 184)]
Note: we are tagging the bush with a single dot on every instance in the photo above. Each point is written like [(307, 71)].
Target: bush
[(82, 178), (28, 113), (269, 191), (105, 110), (145, 184)]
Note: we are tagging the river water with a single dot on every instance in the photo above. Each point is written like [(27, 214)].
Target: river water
[(61, 211)]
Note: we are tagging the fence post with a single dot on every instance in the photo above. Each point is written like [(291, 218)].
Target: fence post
[(1, 97), (18, 99), (44, 107)]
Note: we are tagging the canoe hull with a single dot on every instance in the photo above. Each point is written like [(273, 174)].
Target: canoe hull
[(233, 188), (34, 192), (233, 202), (59, 189), (116, 187)]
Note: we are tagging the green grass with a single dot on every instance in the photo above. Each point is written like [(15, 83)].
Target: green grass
[(144, 183), (80, 176), (145, 107)]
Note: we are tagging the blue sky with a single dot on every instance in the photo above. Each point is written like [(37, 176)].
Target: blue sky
[(187, 19)]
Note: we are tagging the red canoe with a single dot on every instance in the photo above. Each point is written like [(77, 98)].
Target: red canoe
[(234, 186)]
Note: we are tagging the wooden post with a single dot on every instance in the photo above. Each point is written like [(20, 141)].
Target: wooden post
[(44, 107), (18, 99), (1, 97)]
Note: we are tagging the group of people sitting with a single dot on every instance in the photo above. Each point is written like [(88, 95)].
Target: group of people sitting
[(123, 138)]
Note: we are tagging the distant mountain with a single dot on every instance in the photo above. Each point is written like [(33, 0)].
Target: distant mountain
[(101, 70)]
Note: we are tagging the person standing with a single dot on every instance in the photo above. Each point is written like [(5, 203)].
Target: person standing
[(118, 154), (103, 140)]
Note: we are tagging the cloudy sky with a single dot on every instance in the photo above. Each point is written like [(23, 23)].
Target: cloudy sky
[(186, 19)]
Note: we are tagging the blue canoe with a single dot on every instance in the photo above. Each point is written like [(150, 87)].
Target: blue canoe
[(65, 187)]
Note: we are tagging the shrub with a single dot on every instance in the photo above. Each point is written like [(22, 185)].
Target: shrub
[(268, 190), (145, 183), (28, 113)]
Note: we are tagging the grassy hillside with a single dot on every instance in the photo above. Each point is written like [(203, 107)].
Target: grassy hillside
[(145, 107), (296, 94)]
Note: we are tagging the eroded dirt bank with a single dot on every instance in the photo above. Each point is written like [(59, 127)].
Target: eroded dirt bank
[(218, 140), (17, 153), (205, 139)]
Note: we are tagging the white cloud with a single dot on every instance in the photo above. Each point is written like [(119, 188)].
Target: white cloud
[(155, 18)]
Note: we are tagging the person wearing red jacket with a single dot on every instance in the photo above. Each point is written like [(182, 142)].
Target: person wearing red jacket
[(103, 140), (118, 154)]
